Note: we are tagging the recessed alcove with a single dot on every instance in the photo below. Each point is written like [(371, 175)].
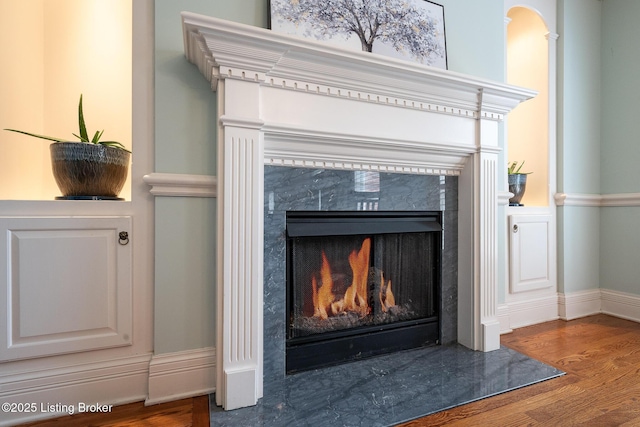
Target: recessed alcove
[(528, 124), (48, 71)]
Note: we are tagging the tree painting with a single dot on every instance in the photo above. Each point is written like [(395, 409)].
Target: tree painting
[(407, 26)]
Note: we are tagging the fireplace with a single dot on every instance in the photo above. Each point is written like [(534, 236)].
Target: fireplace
[(290, 103), (360, 284)]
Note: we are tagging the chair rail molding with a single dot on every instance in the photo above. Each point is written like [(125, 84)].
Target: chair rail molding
[(597, 200), (182, 185)]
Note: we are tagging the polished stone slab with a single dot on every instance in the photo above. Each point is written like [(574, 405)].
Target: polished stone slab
[(301, 189), (388, 390)]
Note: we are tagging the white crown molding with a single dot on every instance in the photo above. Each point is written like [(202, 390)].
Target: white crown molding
[(182, 185), (182, 374), (224, 49)]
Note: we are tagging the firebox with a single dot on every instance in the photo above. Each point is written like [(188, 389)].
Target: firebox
[(361, 284)]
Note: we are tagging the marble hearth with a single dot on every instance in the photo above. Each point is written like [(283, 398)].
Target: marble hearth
[(292, 103)]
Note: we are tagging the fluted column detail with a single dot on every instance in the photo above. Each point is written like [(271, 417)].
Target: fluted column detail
[(240, 248)]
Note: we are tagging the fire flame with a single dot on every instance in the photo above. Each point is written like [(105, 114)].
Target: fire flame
[(323, 297), (387, 300), (355, 297)]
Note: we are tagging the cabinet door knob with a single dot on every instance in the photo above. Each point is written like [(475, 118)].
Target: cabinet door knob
[(515, 228), (123, 238)]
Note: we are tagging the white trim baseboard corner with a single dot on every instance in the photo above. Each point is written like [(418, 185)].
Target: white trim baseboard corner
[(182, 185), (504, 319), (182, 374), (532, 312), (579, 304), (620, 304)]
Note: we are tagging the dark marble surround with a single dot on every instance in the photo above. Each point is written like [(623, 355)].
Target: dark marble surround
[(295, 189), (383, 390)]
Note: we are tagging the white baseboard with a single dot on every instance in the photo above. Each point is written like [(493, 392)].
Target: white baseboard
[(620, 304), (53, 392), (532, 312), (579, 304), (183, 374), (568, 307), (503, 319)]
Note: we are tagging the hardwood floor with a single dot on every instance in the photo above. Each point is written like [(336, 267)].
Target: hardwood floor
[(191, 412), (600, 354)]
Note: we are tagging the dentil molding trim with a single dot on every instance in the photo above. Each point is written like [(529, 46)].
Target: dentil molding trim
[(227, 50)]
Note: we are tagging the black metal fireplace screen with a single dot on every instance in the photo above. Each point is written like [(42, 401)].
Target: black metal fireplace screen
[(361, 284)]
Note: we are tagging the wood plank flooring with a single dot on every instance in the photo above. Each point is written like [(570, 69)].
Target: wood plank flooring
[(600, 354), (191, 412)]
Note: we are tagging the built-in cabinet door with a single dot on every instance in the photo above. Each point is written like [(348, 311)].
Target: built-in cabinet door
[(66, 285), (531, 252)]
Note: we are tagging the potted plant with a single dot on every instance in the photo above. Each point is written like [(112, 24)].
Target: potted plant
[(517, 182), (89, 168)]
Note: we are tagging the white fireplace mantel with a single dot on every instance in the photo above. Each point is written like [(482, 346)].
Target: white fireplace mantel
[(295, 102)]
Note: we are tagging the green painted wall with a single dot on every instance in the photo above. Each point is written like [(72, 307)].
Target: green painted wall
[(598, 143), (579, 126), (185, 138), (620, 148)]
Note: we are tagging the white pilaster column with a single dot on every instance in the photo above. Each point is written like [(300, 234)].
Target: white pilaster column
[(487, 251), (486, 230), (240, 244)]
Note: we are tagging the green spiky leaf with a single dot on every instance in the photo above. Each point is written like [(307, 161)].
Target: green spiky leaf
[(49, 138), (84, 137), (83, 134), (113, 144), (513, 168), (96, 136)]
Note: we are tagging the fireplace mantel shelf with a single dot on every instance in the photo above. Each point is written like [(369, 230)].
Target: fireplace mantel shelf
[(293, 102), (224, 49)]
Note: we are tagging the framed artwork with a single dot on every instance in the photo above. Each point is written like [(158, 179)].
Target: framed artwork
[(407, 29)]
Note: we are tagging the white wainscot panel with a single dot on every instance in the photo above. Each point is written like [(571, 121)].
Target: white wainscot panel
[(530, 252), (66, 285)]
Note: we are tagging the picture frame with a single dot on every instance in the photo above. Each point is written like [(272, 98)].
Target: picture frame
[(390, 28)]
